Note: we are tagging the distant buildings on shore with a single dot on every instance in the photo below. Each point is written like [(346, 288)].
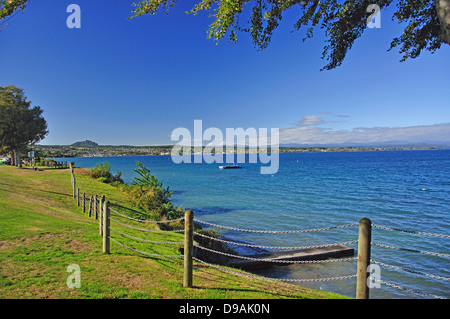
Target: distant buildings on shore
[(105, 151)]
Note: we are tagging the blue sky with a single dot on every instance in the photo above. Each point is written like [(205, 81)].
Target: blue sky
[(116, 81)]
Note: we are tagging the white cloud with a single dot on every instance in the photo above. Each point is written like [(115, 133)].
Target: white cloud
[(307, 132), (310, 120)]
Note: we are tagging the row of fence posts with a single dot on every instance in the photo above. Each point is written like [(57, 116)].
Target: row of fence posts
[(99, 207), (103, 215), (55, 164), (94, 202)]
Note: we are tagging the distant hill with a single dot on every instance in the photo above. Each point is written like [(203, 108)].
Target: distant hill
[(86, 143)]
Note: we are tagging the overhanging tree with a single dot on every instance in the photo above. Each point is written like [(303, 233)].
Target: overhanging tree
[(20, 125), (427, 22), (9, 8)]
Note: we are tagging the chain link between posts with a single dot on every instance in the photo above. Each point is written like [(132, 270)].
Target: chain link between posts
[(274, 231)]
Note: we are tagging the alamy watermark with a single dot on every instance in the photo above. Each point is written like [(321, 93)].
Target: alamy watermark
[(374, 20), (74, 19), (373, 280), (233, 147), (74, 279)]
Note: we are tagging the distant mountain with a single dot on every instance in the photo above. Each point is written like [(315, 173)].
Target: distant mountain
[(86, 143)]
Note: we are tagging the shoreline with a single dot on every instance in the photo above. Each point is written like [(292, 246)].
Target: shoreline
[(71, 152)]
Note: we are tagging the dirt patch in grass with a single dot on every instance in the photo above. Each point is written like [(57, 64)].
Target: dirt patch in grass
[(82, 171), (65, 241), (35, 266)]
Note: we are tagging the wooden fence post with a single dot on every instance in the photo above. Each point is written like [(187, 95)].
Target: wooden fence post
[(72, 176), (96, 207), (364, 240), (90, 206), (84, 203), (106, 242), (188, 248), (74, 185), (100, 218), (78, 197)]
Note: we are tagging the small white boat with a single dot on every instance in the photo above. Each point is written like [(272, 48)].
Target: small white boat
[(230, 167)]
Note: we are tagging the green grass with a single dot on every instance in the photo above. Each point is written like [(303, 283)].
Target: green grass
[(42, 232)]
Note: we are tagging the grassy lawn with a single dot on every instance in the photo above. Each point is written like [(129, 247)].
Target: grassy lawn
[(42, 232)]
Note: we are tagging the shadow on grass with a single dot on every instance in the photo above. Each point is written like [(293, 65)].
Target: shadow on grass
[(201, 273), (41, 169), (56, 193), (209, 277), (126, 208)]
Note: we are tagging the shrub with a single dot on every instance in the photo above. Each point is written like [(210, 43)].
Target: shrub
[(102, 173), (149, 194), (146, 179), (154, 202)]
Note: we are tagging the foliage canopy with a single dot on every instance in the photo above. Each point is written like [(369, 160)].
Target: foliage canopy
[(427, 22), (20, 125), (149, 194)]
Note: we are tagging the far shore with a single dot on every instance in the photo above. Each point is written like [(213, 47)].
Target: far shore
[(60, 151)]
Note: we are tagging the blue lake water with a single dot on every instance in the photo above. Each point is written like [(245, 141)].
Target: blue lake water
[(408, 190)]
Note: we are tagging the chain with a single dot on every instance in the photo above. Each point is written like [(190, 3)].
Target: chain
[(410, 271), (318, 279), (142, 252), (268, 278), (147, 230), (273, 247), (411, 232), (275, 231), (407, 289), (146, 221), (412, 250), (147, 241), (276, 261)]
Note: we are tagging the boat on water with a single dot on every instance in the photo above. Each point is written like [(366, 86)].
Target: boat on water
[(230, 167)]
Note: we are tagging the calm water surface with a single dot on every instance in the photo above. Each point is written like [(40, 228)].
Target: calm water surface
[(408, 190)]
